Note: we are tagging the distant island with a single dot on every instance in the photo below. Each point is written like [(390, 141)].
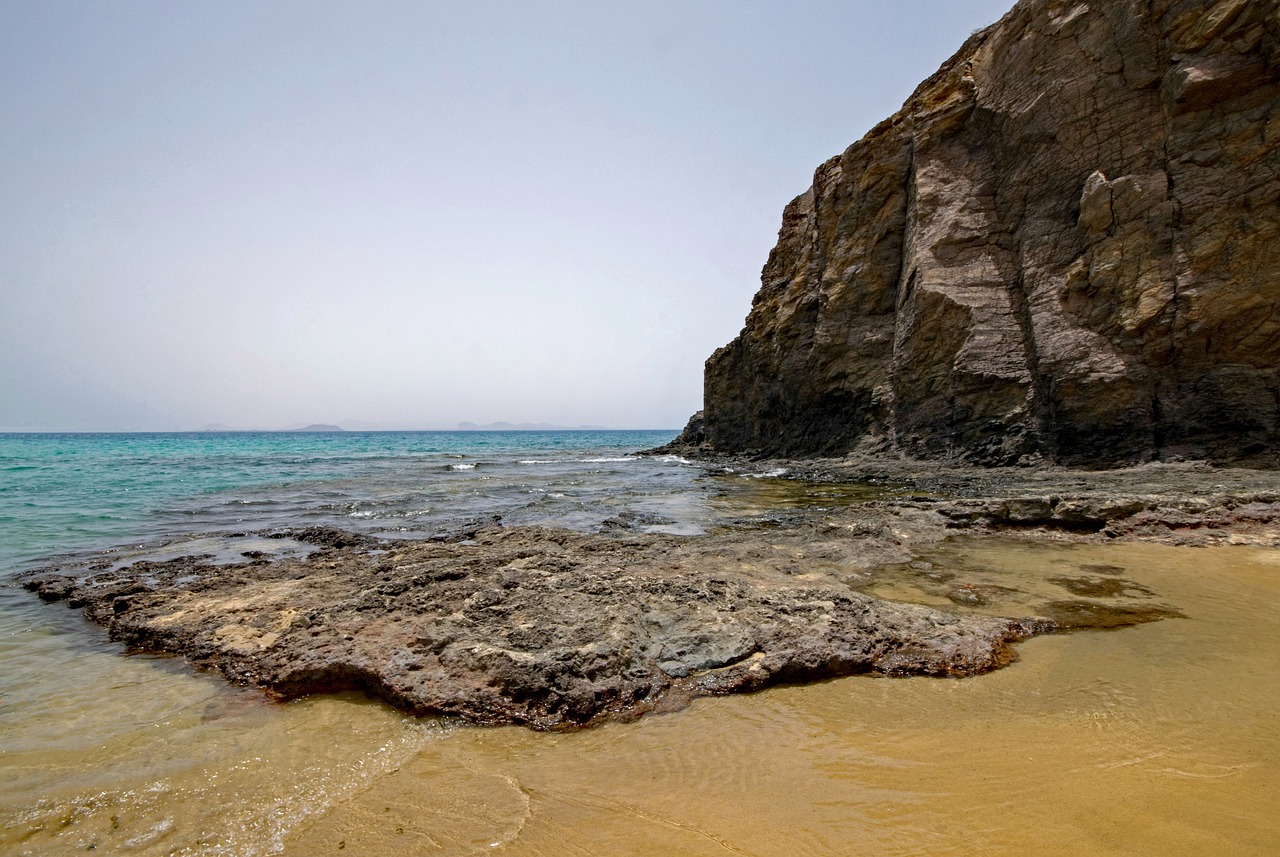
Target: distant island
[(360, 426), (316, 427), (504, 426)]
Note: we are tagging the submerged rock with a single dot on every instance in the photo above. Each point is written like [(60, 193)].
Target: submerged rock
[(1090, 615), (1064, 247)]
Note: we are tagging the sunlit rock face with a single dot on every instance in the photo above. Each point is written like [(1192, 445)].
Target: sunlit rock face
[(1066, 244)]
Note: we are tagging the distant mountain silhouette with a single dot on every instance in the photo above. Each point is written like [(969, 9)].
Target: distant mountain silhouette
[(504, 426), (317, 427)]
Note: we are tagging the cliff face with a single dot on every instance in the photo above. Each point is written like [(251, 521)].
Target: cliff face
[(1066, 243)]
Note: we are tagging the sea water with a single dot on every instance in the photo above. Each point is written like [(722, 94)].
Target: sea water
[(1160, 738), (61, 492)]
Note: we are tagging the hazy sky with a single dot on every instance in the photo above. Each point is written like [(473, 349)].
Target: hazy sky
[(411, 214)]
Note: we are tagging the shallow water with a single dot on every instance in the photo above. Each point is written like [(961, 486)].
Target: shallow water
[(1161, 738)]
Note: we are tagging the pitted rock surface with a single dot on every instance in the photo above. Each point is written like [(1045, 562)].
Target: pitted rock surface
[(526, 625)]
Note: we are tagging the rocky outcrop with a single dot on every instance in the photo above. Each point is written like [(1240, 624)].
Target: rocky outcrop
[(546, 628), (1065, 246), (557, 629)]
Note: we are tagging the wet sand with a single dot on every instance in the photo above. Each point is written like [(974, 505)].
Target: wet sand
[(1160, 738)]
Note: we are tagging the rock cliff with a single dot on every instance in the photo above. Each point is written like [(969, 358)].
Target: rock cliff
[(1065, 245)]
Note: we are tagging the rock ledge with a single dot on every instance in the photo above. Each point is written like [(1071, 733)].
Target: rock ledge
[(546, 628)]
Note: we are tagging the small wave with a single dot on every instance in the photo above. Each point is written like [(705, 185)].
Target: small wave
[(462, 467), (673, 459), (409, 513), (539, 461), (607, 460), (768, 474)]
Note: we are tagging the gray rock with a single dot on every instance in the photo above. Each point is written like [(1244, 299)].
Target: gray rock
[(524, 625)]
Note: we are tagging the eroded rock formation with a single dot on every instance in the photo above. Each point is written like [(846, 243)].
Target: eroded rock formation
[(557, 629), (1066, 245), (542, 627)]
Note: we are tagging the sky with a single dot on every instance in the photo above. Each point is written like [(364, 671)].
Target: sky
[(411, 214)]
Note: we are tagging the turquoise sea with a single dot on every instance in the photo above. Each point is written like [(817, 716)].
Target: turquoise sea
[(67, 492)]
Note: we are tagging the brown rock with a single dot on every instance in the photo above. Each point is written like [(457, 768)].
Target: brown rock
[(1066, 244), (542, 627)]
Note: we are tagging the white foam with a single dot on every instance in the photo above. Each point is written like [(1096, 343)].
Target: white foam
[(609, 460), (410, 513), (673, 459), (462, 467), (769, 474)]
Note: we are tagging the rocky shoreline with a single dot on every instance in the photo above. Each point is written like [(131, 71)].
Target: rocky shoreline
[(1175, 503), (557, 629)]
